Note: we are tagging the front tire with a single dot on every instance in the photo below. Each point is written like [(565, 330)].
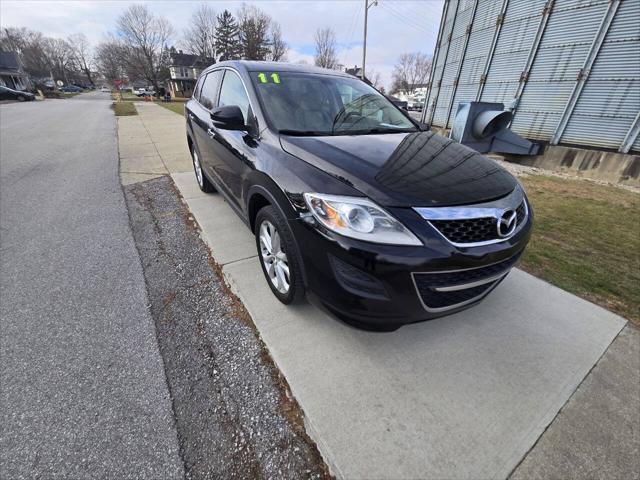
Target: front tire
[(203, 182), (21, 98), (278, 256)]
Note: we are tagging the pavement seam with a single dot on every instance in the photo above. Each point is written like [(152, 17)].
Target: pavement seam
[(626, 325), (238, 260)]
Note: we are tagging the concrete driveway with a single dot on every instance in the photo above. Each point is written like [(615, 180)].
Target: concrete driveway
[(465, 396)]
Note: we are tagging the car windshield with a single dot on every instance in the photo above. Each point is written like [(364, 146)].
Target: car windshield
[(313, 104)]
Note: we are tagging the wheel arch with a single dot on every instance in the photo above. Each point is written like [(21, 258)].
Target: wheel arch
[(259, 196)]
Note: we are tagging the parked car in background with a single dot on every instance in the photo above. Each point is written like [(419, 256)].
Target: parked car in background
[(71, 89), (351, 200), (415, 103), (7, 93), (105, 89), (144, 92), (397, 102)]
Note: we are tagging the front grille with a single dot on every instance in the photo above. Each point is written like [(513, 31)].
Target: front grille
[(474, 230), (460, 277), (428, 284), (467, 231), (521, 213)]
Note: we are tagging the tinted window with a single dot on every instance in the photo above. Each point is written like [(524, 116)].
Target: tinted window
[(326, 104), (233, 93), (209, 89), (196, 91)]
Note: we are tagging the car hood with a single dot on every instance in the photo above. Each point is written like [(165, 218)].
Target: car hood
[(405, 169)]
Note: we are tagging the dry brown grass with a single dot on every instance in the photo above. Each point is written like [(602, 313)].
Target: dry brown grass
[(586, 240)]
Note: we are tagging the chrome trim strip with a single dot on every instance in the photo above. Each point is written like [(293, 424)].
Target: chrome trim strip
[(451, 307), (477, 283), (494, 209), (457, 305)]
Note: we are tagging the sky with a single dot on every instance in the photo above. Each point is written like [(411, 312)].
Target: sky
[(394, 26)]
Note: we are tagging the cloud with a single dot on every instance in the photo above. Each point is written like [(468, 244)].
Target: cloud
[(394, 27)]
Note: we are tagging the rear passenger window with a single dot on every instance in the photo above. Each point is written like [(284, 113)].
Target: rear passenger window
[(209, 89), (233, 93)]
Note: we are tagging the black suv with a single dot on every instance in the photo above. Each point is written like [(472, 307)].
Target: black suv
[(351, 201)]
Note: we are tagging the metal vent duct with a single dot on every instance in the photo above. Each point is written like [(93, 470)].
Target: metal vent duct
[(485, 128)]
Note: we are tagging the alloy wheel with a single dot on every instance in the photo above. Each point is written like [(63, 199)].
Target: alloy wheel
[(197, 167), (273, 257)]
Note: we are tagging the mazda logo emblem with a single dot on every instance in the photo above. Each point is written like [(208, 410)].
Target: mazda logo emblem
[(507, 223)]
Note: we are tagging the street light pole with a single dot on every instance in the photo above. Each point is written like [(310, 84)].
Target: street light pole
[(367, 5)]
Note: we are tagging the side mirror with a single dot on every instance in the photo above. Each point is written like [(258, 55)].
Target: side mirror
[(228, 117)]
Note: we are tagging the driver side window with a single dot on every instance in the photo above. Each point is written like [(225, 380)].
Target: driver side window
[(233, 93), (209, 89)]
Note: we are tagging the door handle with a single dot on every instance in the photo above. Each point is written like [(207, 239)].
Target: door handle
[(210, 132)]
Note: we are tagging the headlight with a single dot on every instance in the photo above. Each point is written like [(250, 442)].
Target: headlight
[(358, 217)]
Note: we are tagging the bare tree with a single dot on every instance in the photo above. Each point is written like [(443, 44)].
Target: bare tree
[(81, 55), (58, 54), (325, 48), (145, 37), (411, 70), (375, 78), (278, 45), (254, 32), (199, 37), (110, 59)]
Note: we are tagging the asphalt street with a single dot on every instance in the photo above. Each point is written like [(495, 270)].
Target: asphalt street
[(83, 391)]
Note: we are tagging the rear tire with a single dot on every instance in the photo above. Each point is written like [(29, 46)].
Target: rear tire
[(203, 182), (278, 256)]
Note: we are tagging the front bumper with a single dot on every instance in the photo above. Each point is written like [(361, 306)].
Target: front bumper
[(387, 286)]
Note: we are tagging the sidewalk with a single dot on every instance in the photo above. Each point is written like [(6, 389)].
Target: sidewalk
[(151, 144), (466, 396)]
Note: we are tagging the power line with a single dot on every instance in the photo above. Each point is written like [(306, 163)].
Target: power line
[(354, 23), (404, 19), (424, 14)]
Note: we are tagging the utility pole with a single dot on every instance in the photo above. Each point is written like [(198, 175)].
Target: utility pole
[(367, 5)]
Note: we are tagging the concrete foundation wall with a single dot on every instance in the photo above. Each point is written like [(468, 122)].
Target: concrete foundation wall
[(608, 166), (623, 168)]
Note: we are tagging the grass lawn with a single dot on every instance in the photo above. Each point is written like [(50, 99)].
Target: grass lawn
[(174, 106), (126, 97), (124, 109), (586, 240)]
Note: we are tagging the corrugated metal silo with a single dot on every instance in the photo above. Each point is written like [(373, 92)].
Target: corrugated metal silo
[(568, 69)]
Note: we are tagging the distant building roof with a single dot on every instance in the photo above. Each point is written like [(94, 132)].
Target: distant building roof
[(180, 59), (10, 61), (357, 72)]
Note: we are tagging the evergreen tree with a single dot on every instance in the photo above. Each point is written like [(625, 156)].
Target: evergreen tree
[(254, 27), (227, 40)]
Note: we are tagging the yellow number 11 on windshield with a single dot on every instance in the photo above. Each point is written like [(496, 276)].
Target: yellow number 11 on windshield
[(275, 78)]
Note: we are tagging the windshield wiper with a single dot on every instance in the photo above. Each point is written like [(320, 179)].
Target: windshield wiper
[(370, 131), (303, 133)]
